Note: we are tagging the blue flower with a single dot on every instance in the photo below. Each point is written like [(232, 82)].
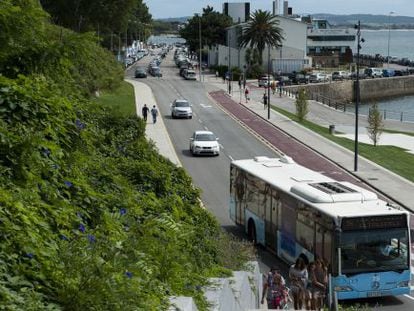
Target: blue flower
[(79, 124), (91, 238), (82, 228), (64, 237), (45, 151), (128, 274), (29, 255), (123, 211), (68, 183)]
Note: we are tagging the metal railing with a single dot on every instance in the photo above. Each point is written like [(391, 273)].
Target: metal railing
[(349, 106)]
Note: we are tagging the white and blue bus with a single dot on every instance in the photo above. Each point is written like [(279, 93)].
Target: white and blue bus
[(294, 210)]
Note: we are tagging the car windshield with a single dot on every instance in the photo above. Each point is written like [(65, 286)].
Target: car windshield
[(375, 250), (182, 104), (205, 137)]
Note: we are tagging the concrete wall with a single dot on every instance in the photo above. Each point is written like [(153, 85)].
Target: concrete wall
[(240, 292)]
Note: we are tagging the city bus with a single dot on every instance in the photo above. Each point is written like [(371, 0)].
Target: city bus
[(295, 211)]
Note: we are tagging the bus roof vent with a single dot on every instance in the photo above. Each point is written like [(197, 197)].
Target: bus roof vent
[(287, 160), (332, 187), (261, 159)]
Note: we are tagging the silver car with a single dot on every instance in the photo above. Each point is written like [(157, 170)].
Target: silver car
[(181, 108), (204, 142)]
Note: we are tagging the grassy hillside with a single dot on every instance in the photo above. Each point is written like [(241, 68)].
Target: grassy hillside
[(91, 216)]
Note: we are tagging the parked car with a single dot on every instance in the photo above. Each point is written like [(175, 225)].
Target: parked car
[(204, 142), (388, 73), (299, 78), (339, 75), (265, 80), (318, 77), (400, 73), (362, 75), (181, 108), (284, 80), (373, 72), (140, 73)]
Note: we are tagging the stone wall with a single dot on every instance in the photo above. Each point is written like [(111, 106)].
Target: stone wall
[(370, 89)]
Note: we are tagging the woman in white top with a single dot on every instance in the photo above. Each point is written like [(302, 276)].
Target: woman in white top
[(298, 275)]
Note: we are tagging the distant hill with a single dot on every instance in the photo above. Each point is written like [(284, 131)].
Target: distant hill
[(368, 20), (174, 19)]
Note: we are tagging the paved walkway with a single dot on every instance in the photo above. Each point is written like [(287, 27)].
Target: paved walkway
[(157, 133)]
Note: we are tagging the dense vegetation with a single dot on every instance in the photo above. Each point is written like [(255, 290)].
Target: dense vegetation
[(91, 216)]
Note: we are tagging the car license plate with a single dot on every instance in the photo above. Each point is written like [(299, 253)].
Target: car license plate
[(374, 294)]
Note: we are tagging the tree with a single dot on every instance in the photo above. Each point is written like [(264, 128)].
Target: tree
[(262, 29), (252, 60), (375, 124), (213, 27), (302, 107)]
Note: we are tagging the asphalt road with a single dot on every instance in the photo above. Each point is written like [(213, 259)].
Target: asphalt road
[(211, 174)]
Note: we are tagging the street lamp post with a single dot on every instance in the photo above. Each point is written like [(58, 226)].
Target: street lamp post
[(389, 37), (357, 94), (199, 33), (268, 81)]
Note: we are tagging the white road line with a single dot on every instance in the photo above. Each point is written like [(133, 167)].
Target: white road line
[(230, 157), (221, 146), (206, 128), (408, 296), (199, 121)]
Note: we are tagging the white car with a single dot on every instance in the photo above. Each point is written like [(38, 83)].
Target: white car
[(204, 142), (181, 108)]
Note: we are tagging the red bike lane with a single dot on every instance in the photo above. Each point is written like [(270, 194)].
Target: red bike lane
[(287, 144)]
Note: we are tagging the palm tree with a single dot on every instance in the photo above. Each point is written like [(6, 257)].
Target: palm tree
[(262, 29)]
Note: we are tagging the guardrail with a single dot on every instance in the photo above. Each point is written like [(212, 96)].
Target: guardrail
[(349, 106)]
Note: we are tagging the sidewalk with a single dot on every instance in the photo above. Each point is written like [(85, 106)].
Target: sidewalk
[(157, 132), (384, 181)]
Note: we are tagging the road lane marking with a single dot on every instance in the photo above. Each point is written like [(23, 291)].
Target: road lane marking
[(230, 157), (206, 128), (199, 121), (205, 106), (408, 296)]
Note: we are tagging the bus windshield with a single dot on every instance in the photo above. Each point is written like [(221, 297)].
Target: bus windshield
[(374, 251)]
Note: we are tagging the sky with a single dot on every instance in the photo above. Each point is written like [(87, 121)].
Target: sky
[(180, 8)]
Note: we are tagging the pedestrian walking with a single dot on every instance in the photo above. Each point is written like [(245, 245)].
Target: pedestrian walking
[(154, 113), (298, 275), (145, 111), (265, 99), (280, 88), (217, 74), (246, 94)]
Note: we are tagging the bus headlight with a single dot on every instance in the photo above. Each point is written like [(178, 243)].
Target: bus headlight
[(343, 288), (403, 284)]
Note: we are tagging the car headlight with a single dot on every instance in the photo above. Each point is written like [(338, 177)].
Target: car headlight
[(403, 284), (197, 147), (343, 289)]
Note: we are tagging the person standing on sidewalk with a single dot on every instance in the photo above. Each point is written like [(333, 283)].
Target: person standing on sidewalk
[(246, 94), (145, 111), (154, 113), (265, 100)]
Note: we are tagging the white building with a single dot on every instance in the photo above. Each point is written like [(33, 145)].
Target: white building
[(239, 12), (329, 47), (291, 56)]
